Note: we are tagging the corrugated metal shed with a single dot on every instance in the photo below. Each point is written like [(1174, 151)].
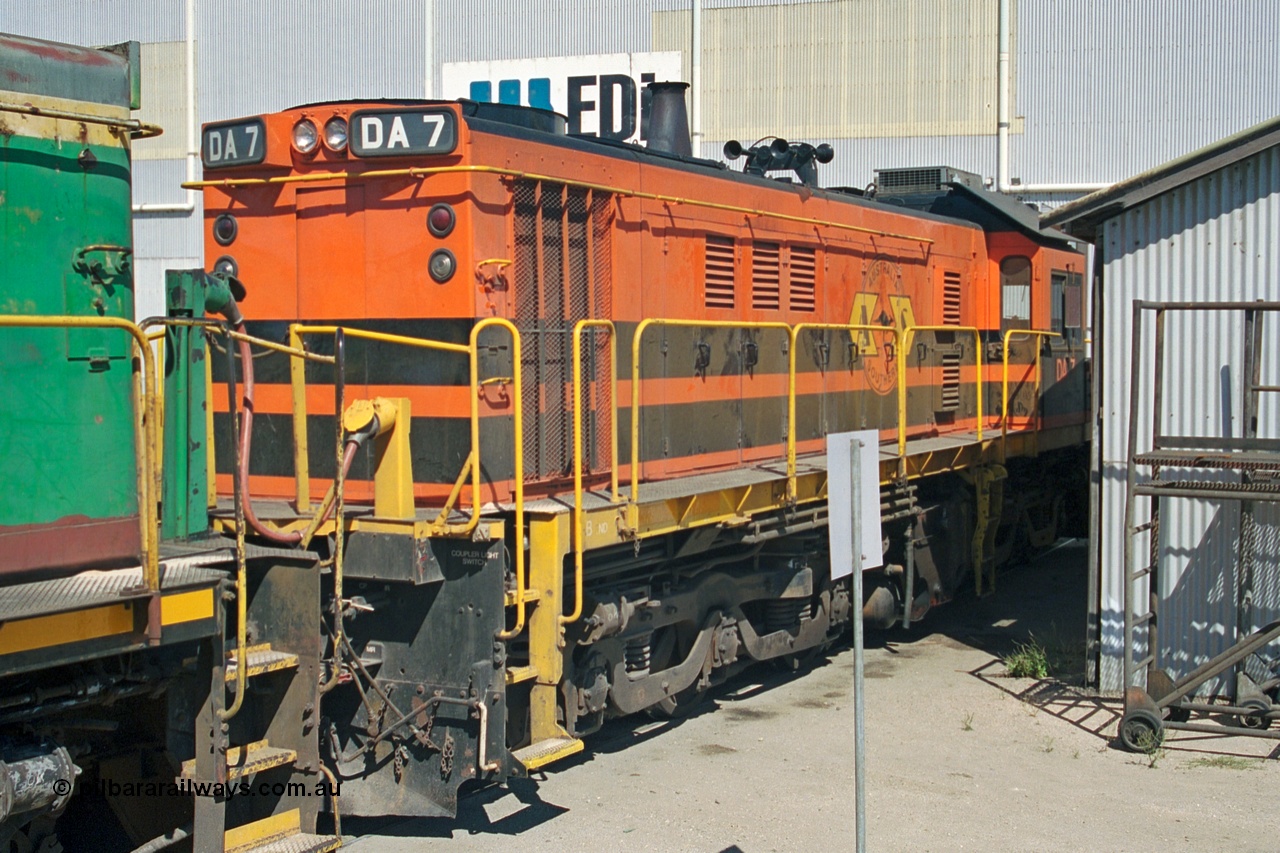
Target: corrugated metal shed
[(1203, 228)]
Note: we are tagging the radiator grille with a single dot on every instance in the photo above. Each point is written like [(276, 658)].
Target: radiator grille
[(766, 276), (951, 298), (803, 281), (719, 272), (950, 382), (563, 274)]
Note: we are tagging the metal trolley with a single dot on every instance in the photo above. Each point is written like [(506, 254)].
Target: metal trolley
[(1248, 469)]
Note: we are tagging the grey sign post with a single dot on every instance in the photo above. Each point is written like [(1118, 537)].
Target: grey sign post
[(853, 514), (859, 705)]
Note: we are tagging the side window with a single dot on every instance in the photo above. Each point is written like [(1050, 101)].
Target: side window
[(1066, 309), (1058, 303), (1073, 309), (1015, 293)]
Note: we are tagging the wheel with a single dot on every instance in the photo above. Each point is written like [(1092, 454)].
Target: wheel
[(1141, 730), (1258, 721)]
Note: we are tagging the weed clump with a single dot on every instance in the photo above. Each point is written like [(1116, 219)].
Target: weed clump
[(1226, 762), (1027, 660)]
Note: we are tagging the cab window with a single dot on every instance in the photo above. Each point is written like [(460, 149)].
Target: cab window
[(1015, 293)]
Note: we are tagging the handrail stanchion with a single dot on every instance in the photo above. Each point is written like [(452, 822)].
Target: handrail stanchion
[(464, 349), (517, 405), (1004, 383), (907, 334), (301, 458), (791, 389), (579, 529), (633, 498)]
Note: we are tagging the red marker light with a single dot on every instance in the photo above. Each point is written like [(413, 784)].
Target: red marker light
[(440, 220)]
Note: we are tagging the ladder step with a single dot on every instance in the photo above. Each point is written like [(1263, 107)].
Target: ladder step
[(1142, 619), (278, 833), (1139, 664), (303, 842), (544, 752), (246, 760), (516, 674), (1138, 574), (262, 658), (1143, 528)]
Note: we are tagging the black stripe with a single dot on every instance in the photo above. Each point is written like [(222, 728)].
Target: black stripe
[(678, 430), (439, 446), (375, 362)]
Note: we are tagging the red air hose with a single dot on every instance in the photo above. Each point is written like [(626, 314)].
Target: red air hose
[(246, 445)]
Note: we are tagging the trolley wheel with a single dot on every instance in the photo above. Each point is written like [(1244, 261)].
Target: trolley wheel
[(1141, 730), (1259, 720)]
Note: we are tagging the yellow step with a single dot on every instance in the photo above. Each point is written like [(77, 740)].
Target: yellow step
[(262, 658), (516, 674), (246, 760), (280, 833), (544, 752)]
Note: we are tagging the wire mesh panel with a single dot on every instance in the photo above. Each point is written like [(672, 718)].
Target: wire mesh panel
[(563, 274)]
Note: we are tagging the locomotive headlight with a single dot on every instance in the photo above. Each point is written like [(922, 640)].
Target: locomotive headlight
[(442, 265), (227, 266), (305, 136), (225, 229), (335, 133), (440, 219)]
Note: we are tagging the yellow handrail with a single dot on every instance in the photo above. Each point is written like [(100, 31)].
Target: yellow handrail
[(907, 333), (144, 400), (1004, 379), (791, 390), (579, 531), (517, 405), (633, 498), (515, 174), (300, 329)]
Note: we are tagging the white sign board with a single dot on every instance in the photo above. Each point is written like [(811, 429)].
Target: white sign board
[(600, 94), (850, 503)]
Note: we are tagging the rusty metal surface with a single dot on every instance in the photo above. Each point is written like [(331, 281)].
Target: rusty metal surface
[(76, 542), (1235, 461), (36, 67), (88, 589)]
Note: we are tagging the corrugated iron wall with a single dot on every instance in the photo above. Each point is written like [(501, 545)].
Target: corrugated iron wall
[(1217, 238)]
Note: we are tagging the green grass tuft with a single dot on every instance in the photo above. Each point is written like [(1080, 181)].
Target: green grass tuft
[(1027, 660)]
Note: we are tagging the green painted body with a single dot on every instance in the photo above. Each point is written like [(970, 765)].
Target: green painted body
[(189, 294), (69, 482)]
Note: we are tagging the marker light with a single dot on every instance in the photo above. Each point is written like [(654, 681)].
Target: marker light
[(225, 229), (442, 265), (335, 133), (304, 136), (226, 265), (440, 219)]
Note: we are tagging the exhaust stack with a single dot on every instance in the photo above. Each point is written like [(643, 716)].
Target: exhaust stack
[(669, 119)]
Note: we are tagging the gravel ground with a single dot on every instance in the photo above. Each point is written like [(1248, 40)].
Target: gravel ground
[(959, 757)]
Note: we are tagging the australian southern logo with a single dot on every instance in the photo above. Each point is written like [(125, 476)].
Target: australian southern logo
[(882, 302)]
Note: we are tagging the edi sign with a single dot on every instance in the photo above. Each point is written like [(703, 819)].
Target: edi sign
[(601, 94)]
